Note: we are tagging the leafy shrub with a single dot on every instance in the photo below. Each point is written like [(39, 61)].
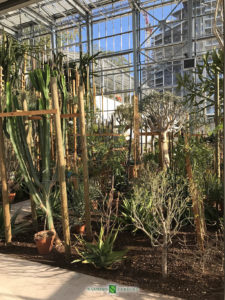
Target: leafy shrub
[(101, 254)]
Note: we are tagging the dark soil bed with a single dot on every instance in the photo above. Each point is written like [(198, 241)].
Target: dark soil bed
[(142, 266)]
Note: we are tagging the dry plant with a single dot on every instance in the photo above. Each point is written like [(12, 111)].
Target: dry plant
[(157, 208)]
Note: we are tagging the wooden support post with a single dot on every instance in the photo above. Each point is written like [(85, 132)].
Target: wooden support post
[(94, 98), (88, 88), (77, 81), (146, 139), (102, 105), (85, 165), (197, 204), (28, 129), (152, 144), (75, 147), (136, 135), (73, 88), (5, 195), (61, 168), (217, 117)]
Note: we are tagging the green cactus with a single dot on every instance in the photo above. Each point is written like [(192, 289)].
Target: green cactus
[(39, 183)]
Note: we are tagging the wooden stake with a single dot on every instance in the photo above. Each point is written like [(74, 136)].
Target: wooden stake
[(77, 81), (146, 139), (197, 205), (61, 168), (102, 105), (85, 165), (75, 147), (28, 129), (88, 89), (136, 135), (94, 98), (217, 115), (5, 195)]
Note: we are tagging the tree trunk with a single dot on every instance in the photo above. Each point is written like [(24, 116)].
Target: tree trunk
[(164, 256), (164, 149)]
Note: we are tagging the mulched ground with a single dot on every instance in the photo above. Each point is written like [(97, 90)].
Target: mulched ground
[(142, 266)]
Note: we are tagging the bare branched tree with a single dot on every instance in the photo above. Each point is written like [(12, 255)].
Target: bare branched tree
[(163, 113), (157, 208)]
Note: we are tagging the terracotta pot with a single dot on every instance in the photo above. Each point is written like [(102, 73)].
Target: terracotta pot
[(11, 197), (44, 241), (94, 204), (79, 228)]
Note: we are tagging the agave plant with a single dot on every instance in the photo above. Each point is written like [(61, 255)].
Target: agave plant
[(101, 254)]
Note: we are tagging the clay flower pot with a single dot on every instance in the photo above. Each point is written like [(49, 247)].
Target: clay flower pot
[(11, 197), (94, 204), (79, 228), (44, 241)]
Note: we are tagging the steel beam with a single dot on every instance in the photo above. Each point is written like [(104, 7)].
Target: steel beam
[(11, 5), (54, 40), (136, 34)]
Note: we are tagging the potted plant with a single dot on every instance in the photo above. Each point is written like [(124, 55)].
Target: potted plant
[(44, 241), (79, 227)]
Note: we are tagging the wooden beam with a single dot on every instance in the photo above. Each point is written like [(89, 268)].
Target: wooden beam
[(28, 113)]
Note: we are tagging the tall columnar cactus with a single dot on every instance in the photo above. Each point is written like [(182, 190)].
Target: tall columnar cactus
[(38, 182)]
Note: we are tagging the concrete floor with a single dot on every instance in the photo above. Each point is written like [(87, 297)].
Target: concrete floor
[(25, 280)]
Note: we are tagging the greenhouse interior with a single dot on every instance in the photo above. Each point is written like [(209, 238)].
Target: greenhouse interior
[(112, 149)]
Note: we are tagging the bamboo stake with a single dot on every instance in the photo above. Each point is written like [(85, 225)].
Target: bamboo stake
[(217, 114), (88, 88), (61, 169), (75, 147), (5, 196), (136, 135), (94, 98), (196, 204), (102, 105), (77, 81), (85, 165), (146, 139), (28, 129)]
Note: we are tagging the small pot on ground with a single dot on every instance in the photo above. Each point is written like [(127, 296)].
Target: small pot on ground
[(11, 197), (79, 228), (44, 241)]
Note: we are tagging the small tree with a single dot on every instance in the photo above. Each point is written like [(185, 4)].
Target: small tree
[(157, 208), (163, 113)]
